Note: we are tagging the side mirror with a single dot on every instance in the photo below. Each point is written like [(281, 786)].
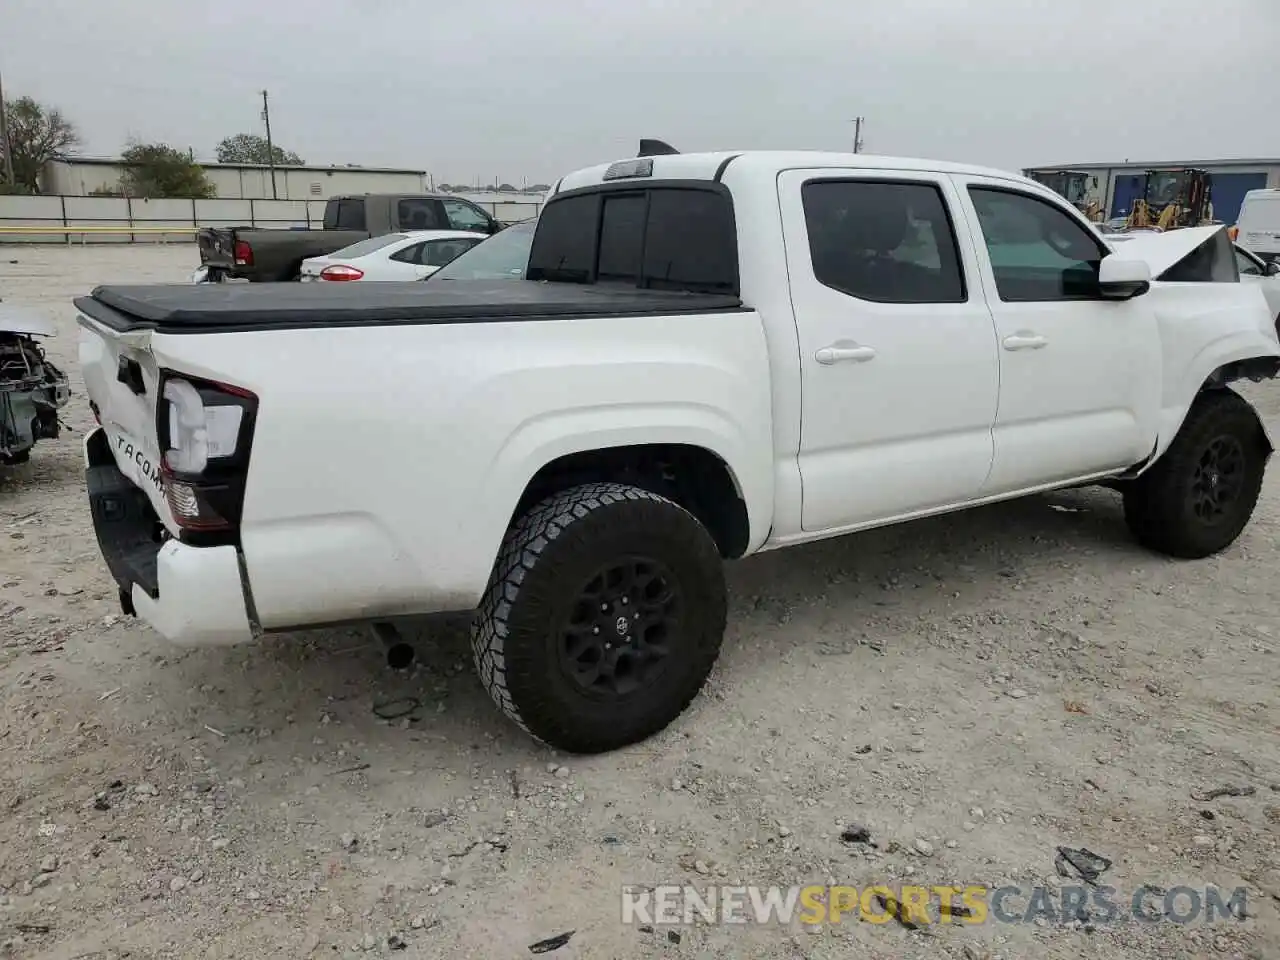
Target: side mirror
[(1120, 279), (1273, 268)]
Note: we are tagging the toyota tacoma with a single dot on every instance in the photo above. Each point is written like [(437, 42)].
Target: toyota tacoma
[(710, 355)]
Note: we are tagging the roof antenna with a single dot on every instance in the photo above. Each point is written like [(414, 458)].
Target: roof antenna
[(655, 148)]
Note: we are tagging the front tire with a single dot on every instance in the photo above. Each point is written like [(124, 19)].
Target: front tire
[(1197, 498), (603, 617)]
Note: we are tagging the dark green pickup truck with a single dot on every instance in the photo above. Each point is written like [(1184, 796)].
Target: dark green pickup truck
[(257, 255)]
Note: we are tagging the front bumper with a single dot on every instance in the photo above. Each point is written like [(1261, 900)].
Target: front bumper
[(192, 596)]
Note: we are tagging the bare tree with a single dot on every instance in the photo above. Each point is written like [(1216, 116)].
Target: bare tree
[(37, 134)]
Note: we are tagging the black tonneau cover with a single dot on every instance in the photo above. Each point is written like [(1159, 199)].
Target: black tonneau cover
[(222, 308)]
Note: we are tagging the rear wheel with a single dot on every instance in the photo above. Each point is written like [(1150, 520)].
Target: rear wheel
[(603, 617), (1197, 498)]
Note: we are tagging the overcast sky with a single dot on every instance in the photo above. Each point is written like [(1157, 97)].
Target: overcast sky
[(535, 88)]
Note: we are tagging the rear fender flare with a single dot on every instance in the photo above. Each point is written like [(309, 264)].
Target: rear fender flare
[(545, 438)]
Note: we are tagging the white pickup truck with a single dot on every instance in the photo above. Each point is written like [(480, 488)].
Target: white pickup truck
[(712, 355)]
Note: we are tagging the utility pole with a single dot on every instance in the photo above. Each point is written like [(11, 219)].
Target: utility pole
[(857, 133), (6, 145), (271, 152)]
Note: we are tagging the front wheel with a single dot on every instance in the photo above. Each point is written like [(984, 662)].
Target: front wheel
[(603, 617), (1197, 498)]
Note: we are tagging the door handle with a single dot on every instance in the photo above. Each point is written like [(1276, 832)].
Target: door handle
[(836, 354), (1025, 340)]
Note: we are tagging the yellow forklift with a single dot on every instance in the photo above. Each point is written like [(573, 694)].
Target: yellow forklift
[(1074, 186), (1172, 199)]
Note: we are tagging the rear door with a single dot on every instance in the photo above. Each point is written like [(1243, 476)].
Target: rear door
[(1080, 377), (898, 354)]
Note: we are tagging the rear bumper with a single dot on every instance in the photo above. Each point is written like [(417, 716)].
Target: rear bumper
[(192, 596)]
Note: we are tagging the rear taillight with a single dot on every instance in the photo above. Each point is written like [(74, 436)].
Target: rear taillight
[(1232, 233), (243, 254), (341, 272), (205, 429)]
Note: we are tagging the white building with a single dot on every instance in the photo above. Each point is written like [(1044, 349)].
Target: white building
[(81, 176)]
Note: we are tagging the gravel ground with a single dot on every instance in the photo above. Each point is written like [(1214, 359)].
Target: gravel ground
[(975, 691)]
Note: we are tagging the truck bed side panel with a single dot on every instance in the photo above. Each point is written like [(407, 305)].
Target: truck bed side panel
[(389, 458)]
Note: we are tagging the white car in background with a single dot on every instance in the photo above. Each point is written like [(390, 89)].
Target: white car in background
[(1253, 269), (411, 255)]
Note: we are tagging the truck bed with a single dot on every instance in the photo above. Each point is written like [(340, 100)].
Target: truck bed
[(216, 308)]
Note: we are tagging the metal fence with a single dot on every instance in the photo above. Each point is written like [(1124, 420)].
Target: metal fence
[(127, 220)]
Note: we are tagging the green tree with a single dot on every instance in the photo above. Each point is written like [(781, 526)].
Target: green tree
[(251, 148), (157, 170), (37, 134)]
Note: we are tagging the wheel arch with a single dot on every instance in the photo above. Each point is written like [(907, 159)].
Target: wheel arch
[(694, 476), (1217, 373)]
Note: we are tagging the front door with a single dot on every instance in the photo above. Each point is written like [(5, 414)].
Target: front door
[(1080, 376), (898, 357)]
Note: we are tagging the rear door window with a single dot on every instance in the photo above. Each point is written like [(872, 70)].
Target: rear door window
[(439, 253), (410, 254), (419, 213), (886, 242)]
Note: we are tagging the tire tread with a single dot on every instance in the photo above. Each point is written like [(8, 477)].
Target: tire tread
[(1154, 503), (522, 550)]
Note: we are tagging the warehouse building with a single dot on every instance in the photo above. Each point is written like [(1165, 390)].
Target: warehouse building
[(1116, 185), (82, 176)]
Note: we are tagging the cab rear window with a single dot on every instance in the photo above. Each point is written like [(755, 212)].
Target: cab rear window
[(658, 237)]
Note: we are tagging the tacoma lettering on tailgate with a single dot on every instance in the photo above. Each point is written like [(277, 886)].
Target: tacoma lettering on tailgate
[(126, 447)]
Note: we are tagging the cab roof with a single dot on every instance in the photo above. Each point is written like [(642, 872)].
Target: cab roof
[(709, 166)]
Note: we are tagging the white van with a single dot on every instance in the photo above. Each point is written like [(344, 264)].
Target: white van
[(1258, 226)]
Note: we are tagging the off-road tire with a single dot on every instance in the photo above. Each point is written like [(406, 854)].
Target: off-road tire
[(547, 558), (1159, 505)]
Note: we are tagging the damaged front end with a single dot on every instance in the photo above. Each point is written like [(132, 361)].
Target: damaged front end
[(32, 389)]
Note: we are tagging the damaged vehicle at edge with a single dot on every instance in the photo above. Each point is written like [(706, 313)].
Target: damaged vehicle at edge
[(32, 389)]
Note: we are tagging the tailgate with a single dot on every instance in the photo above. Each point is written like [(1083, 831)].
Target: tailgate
[(217, 247), (122, 380)]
